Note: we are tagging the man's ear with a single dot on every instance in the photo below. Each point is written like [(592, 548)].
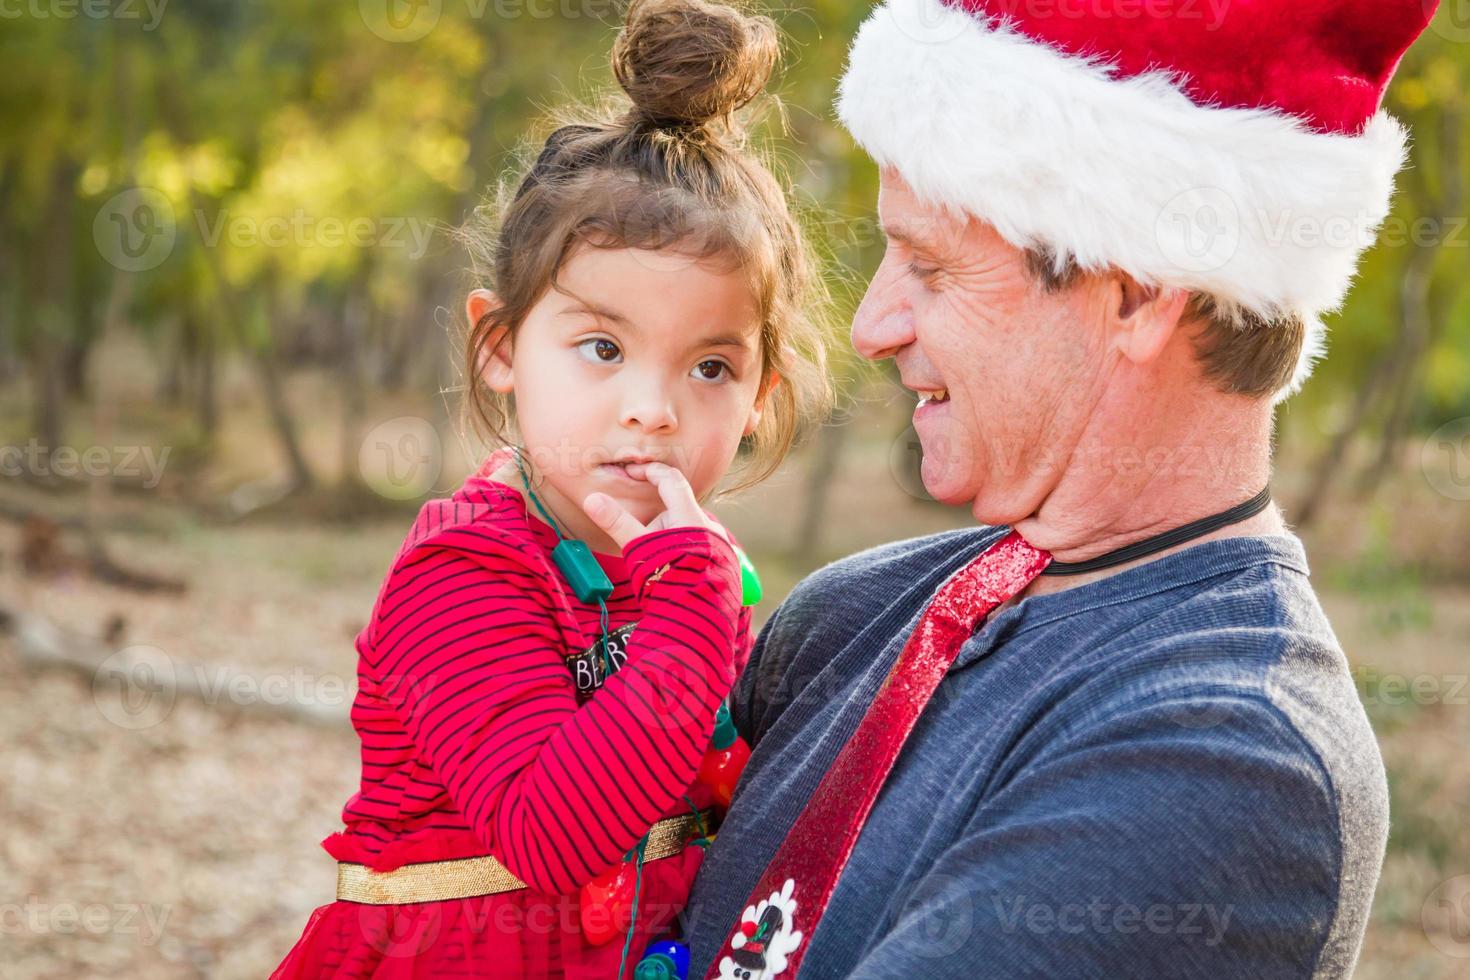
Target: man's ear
[(495, 353), (1143, 318), (758, 409)]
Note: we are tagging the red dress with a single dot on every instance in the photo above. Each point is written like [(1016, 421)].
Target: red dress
[(480, 735)]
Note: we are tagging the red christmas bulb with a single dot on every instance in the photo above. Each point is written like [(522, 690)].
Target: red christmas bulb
[(721, 769), (606, 902), (725, 761)]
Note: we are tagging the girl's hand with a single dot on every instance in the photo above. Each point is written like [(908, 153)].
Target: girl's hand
[(681, 508)]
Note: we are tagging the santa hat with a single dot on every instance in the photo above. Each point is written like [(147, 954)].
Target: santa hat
[(1232, 147)]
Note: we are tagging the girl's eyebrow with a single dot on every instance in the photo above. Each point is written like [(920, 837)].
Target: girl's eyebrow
[(600, 311), (724, 341), (720, 340)]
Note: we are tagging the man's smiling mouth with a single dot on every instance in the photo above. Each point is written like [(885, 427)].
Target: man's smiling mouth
[(930, 397)]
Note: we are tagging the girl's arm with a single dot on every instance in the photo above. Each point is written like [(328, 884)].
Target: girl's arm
[(467, 651), (744, 641)]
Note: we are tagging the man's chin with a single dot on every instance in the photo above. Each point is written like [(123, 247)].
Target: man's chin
[(948, 495), (947, 486), (988, 509)]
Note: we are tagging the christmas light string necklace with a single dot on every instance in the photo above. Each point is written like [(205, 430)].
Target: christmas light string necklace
[(723, 761)]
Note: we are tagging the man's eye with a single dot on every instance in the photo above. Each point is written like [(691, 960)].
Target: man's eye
[(602, 350), (704, 369), (921, 271)]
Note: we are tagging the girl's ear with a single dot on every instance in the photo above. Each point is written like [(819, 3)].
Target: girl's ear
[(759, 407), (495, 353)]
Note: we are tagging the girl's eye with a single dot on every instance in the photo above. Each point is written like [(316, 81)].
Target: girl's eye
[(603, 351), (704, 369)]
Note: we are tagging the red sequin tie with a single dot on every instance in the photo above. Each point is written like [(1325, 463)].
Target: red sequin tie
[(783, 911)]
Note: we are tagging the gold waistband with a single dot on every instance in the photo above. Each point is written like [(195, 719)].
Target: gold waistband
[(436, 881)]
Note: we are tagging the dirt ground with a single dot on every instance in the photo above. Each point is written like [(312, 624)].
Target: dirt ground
[(181, 840)]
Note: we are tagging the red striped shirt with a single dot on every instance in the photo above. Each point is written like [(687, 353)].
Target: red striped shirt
[(474, 736)]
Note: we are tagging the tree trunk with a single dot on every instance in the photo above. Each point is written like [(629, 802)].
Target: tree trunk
[(57, 276), (206, 393), (1420, 325), (275, 399), (1414, 342), (355, 325), (171, 384), (1397, 371), (823, 473)]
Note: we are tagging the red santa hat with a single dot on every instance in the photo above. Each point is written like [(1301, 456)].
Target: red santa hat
[(1236, 147)]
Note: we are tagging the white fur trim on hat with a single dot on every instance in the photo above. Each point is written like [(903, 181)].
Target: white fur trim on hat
[(1249, 205)]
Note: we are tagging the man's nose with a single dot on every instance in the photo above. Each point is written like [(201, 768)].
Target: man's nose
[(884, 323)]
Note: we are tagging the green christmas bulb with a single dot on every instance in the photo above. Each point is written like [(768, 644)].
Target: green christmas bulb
[(750, 582)]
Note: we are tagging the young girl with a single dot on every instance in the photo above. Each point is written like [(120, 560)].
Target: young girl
[(648, 314)]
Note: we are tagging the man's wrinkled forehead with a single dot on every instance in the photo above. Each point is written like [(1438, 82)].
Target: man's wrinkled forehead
[(901, 215), (906, 218)]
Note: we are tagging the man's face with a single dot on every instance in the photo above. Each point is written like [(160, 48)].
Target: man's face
[(953, 304)]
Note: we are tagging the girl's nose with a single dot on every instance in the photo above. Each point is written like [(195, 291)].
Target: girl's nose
[(650, 408)]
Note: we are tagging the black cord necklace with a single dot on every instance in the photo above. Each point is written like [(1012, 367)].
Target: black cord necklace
[(1168, 539)]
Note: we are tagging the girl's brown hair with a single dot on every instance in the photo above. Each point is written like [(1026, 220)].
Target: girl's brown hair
[(668, 168)]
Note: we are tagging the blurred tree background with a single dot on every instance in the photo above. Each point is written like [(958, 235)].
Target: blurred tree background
[(230, 306)]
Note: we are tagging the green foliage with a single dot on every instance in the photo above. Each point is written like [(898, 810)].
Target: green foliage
[(312, 149), (1390, 588)]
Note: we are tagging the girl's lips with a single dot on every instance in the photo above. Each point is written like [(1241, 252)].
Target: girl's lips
[(620, 472)]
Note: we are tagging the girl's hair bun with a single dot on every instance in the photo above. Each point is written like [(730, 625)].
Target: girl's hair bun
[(687, 62)]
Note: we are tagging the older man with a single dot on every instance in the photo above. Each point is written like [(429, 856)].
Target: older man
[(1112, 231)]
